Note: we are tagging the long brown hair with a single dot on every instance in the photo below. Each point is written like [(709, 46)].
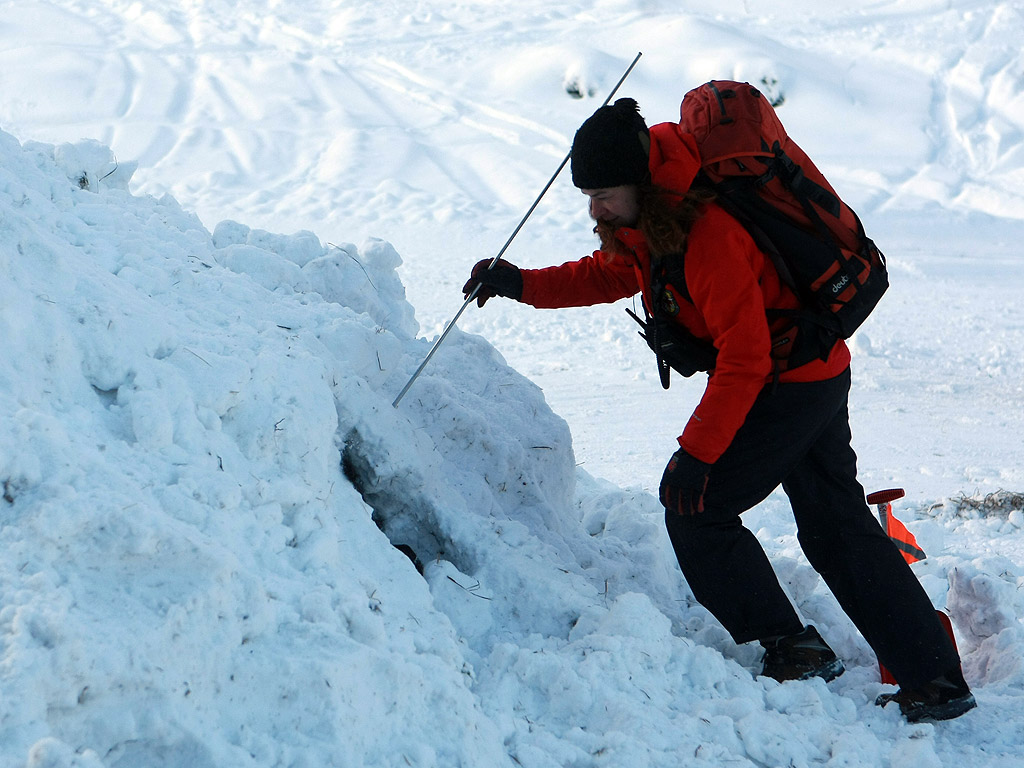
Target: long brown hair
[(665, 219)]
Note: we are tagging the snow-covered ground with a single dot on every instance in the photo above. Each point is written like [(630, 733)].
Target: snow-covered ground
[(230, 232)]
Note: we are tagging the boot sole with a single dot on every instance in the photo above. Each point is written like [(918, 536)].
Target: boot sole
[(829, 672), (946, 711), (826, 672), (929, 712)]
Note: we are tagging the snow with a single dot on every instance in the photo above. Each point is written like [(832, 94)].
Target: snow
[(230, 233)]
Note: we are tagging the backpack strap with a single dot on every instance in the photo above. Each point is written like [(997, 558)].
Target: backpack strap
[(674, 347), (806, 190), (670, 270), (660, 278)]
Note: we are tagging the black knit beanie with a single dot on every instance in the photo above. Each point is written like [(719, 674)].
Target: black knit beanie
[(611, 148)]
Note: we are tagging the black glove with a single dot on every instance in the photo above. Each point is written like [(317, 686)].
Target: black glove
[(683, 484), (503, 279)]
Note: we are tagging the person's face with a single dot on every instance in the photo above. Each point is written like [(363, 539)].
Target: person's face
[(617, 206)]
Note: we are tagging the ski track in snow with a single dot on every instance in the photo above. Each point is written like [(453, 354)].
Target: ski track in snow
[(433, 126)]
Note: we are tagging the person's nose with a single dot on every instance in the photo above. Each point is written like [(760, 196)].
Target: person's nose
[(598, 210)]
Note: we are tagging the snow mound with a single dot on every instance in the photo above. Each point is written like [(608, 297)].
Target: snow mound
[(189, 579), (223, 546)]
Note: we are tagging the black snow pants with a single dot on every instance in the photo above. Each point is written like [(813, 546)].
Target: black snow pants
[(798, 434)]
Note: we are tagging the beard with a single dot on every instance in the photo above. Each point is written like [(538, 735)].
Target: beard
[(664, 218), (605, 232)]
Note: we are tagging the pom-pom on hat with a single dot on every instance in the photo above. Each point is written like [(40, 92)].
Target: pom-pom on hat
[(611, 148)]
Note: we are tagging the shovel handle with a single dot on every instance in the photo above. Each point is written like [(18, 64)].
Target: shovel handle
[(886, 496)]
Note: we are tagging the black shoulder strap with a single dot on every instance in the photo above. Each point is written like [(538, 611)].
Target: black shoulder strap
[(669, 270)]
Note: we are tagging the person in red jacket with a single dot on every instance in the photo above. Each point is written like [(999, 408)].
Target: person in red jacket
[(754, 428)]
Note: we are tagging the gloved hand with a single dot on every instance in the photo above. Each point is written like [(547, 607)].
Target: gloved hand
[(683, 484), (503, 279)]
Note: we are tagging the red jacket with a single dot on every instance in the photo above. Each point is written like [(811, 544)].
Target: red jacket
[(730, 281)]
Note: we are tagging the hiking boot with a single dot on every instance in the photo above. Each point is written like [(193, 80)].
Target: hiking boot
[(800, 657), (944, 698)]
